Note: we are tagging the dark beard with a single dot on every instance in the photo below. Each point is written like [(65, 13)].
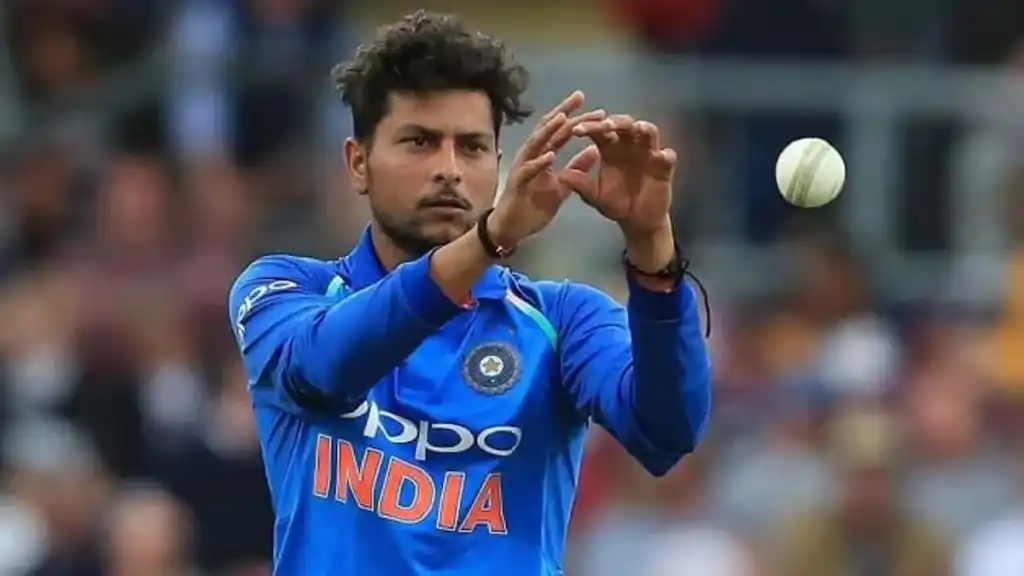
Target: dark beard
[(406, 236)]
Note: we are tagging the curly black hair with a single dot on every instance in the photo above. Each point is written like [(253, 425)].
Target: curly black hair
[(426, 52)]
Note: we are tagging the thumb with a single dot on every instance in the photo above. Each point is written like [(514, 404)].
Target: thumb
[(585, 160), (576, 175), (579, 182)]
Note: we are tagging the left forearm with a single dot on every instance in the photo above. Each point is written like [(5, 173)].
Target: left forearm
[(671, 382), (671, 393)]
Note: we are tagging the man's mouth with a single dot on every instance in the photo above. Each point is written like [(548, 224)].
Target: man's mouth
[(446, 204)]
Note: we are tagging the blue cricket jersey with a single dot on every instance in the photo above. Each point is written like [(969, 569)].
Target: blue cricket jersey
[(405, 435)]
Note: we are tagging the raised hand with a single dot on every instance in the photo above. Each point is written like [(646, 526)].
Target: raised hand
[(534, 191), (633, 186)]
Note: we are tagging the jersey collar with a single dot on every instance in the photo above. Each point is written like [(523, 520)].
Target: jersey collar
[(362, 268)]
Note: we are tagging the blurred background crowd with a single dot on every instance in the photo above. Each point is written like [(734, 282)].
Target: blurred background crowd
[(869, 356)]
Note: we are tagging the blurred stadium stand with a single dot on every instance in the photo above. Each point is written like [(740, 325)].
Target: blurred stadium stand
[(869, 355)]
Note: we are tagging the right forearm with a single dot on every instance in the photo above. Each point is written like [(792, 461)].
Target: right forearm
[(359, 340), (346, 350), (457, 267)]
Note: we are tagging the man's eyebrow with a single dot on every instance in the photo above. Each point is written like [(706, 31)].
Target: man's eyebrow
[(476, 135), (436, 132), (418, 128)]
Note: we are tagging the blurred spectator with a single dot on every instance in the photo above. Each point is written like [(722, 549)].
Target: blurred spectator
[(665, 527), (283, 44), (40, 363), (829, 331), (763, 478), (55, 471), (219, 476), (148, 533), (867, 532), (223, 216), (957, 477), (120, 274), (51, 49), (61, 45), (42, 209)]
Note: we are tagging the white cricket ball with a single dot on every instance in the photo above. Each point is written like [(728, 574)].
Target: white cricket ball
[(810, 173)]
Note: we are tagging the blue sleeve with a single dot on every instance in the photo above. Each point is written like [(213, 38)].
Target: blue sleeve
[(642, 372), (305, 350)]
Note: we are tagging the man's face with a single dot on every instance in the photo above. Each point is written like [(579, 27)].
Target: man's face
[(432, 168)]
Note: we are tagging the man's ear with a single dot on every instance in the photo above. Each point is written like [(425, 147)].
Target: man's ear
[(501, 154), (357, 163)]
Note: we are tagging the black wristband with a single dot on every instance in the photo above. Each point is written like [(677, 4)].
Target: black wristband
[(675, 270), (492, 249)]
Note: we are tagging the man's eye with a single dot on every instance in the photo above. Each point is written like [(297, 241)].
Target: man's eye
[(418, 141), (476, 147)]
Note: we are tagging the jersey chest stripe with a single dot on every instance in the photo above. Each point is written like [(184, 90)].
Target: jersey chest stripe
[(335, 286), (536, 315)]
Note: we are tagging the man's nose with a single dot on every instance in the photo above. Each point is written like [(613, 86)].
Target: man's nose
[(447, 170)]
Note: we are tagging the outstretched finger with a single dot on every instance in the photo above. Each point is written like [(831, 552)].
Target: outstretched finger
[(599, 131), (572, 103), (565, 133), (620, 123), (576, 175), (536, 144)]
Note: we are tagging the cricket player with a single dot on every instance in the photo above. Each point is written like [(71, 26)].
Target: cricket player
[(422, 409)]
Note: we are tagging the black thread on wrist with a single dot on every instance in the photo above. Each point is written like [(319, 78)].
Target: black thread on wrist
[(490, 247), (677, 270)]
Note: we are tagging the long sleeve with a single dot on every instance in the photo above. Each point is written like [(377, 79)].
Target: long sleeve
[(643, 372), (305, 349)]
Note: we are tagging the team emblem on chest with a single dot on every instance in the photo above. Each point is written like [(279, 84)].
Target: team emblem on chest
[(492, 368)]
